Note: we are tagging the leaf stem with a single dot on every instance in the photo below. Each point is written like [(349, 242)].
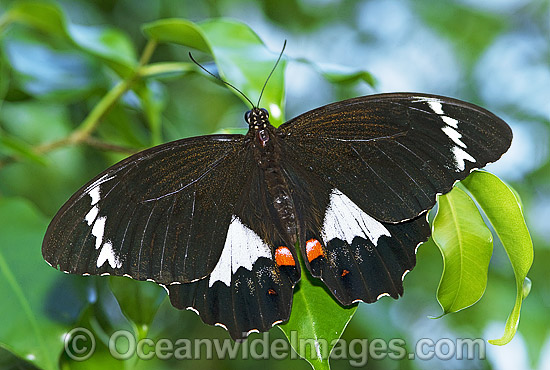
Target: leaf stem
[(147, 53), (166, 68), (93, 142), (111, 98), (101, 109)]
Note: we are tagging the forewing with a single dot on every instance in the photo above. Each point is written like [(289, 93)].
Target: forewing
[(161, 214), (392, 153)]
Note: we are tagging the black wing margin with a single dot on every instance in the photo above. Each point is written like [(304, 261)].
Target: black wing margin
[(392, 153), (161, 214)]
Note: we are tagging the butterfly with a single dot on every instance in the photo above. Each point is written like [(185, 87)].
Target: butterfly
[(219, 220)]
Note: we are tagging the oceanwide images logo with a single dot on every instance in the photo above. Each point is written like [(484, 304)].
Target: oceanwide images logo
[(80, 345)]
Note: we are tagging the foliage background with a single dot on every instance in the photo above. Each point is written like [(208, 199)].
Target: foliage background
[(493, 53)]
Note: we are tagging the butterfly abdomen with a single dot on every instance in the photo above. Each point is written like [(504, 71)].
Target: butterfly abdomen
[(268, 157)]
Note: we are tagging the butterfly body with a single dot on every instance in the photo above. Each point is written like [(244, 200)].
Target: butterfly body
[(216, 219), (266, 146)]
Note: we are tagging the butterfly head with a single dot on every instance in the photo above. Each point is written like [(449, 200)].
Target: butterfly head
[(257, 118)]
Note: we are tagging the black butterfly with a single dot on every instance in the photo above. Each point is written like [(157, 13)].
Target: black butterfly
[(215, 219)]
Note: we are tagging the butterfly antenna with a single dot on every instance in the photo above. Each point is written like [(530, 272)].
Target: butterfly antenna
[(273, 70), (218, 78)]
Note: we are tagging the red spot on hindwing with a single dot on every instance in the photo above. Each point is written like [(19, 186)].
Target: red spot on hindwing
[(283, 257), (314, 249)]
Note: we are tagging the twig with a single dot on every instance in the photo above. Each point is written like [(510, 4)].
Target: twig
[(93, 142)]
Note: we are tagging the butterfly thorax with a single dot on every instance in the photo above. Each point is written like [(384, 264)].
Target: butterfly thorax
[(267, 154)]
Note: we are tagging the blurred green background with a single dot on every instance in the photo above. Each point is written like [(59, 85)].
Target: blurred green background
[(495, 53)]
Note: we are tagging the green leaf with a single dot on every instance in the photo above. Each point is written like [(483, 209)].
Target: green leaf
[(317, 321), (502, 208), (37, 122), (109, 44), (4, 79), (179, 31), (40, 123), (138, 300), (119, 128), (51, 74), (44, 16), (245, 61), (26, 282), (466, 245), (101, 318), (338, 74), (242, 59), (15, 146)]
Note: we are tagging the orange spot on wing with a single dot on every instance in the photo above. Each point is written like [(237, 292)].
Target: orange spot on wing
[(283, 257), (271, 292), (345, 272), (313, 249)]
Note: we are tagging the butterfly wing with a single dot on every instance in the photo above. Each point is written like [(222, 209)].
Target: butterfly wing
[(356, 256), (251, 286), (192, 215), (161, 214), (364, 172), (392, 153)]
